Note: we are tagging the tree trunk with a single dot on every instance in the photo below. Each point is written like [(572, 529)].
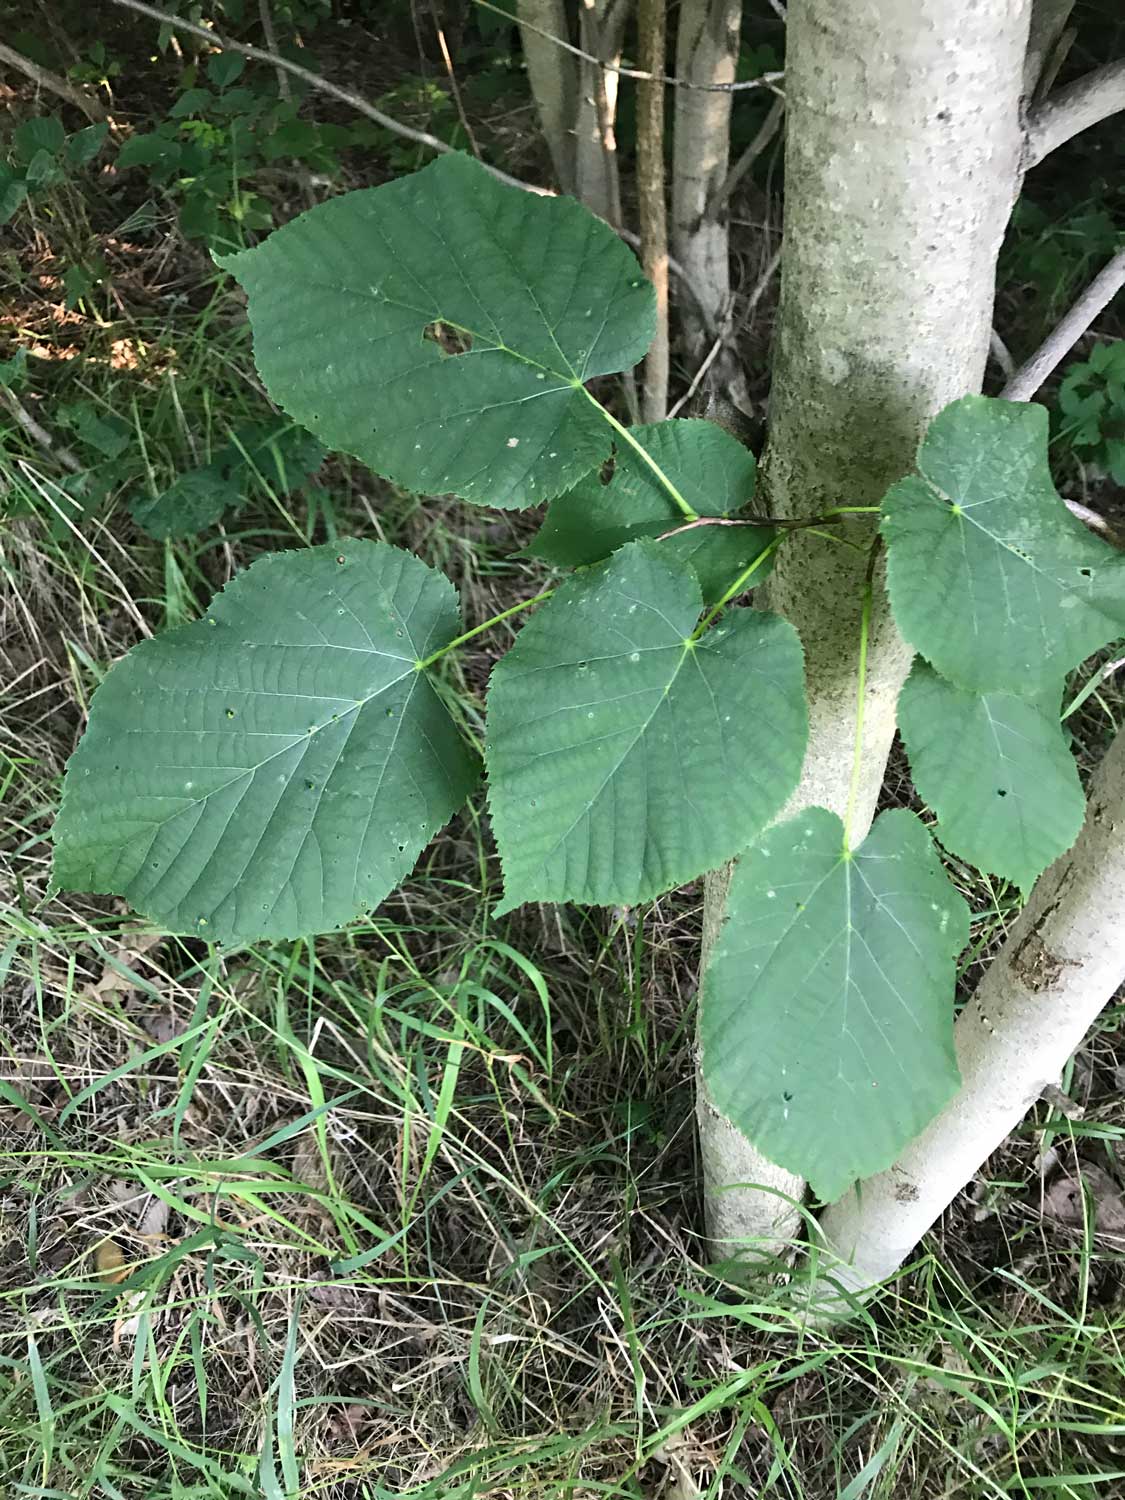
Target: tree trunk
[(706, 52), (650, 200), (902, 150), (601, 29), (1063, 960), (553, 75)]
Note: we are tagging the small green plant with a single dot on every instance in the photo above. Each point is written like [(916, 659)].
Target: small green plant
[(275, 768), (43, 156), (100, 441), (45, 173), (220, 136), (421, 99), (1092, 407), (95, 67), (275, 455), (1056, 253)]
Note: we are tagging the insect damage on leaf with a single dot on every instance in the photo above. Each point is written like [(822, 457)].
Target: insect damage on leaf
[(446, 302)]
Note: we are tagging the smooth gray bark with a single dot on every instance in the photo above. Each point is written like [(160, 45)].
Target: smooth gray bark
[(553, 75), (707, 43), (1048, 22), (1070, 110), (1061, 963), (902, 151), (601, 29), (651, 204)]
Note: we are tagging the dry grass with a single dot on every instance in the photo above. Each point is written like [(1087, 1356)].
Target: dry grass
[(413, 1210)]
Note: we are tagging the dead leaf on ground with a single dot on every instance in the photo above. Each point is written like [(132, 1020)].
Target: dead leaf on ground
[(109, 1260), (308, 1163), (128, 952), (161, 1025), (154, 1220), (1064, 1201), (679, 1482)]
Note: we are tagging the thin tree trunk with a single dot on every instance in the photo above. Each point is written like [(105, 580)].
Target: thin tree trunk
[(553, 74), (1048, 22), (902, 148), (1062, 962), (706, 52), (650, 200), (601, 29)]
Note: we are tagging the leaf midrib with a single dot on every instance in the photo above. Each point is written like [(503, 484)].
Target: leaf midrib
[(685, 651), (956, 511)]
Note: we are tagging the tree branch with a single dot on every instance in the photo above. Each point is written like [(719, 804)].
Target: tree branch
[(315, 81), (1048, 22), (642, 75), (53, 84), (768, 129), (1101, 291), (1070, 110), (264, 12), (361, 106), (57, 450)]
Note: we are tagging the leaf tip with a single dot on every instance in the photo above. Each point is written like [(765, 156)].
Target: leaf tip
[(508, 904)]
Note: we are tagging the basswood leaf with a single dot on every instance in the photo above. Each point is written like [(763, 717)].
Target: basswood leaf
[(996, 769), (625, 759), (109, 1262), (827, 1009), (275, 768), (712, 471), (360, 306), (990, 576)]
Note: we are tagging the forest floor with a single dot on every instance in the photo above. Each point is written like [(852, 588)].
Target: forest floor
[(413, 1210)]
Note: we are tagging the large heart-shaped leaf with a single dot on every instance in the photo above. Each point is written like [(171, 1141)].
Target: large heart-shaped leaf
[(626, 758), (275, 768), (711, 470), (996, 769), (441, 327), (827, 1008), (990, 576)]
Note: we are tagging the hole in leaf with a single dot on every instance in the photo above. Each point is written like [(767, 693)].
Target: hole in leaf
[(1000, 792), (1085, 572), (787, 1096), (448, 339), (605, 473)]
